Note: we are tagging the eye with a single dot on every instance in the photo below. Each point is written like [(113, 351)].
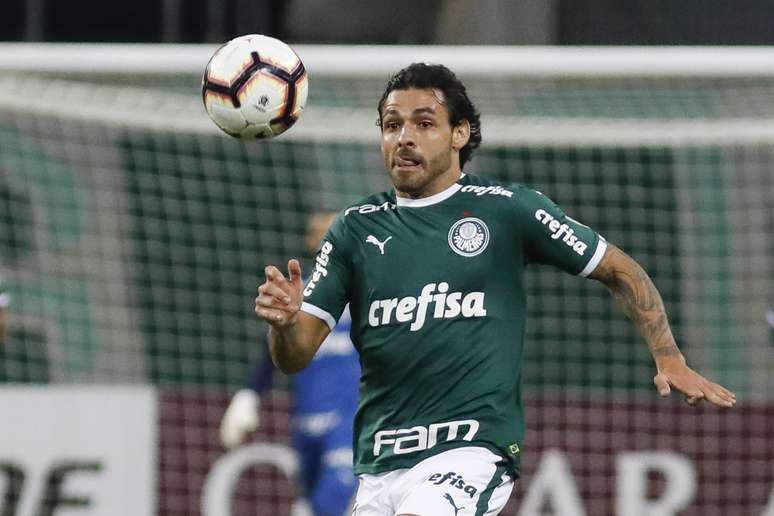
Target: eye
[(390, 125), (424, 124)]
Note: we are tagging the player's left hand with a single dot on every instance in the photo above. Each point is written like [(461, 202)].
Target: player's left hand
[(676, 374)]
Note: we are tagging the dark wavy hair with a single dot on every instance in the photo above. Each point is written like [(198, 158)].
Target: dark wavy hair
[(423, 76)]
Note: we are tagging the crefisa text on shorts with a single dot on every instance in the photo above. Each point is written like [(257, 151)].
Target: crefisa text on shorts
[(455, 480)]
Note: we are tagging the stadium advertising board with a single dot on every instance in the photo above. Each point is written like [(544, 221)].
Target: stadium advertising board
[(581, 458), (78, 451)]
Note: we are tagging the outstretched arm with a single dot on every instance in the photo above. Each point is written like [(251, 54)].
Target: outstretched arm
[(294, 336), (639, 299)]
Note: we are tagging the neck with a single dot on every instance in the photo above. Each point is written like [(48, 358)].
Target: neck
[(439, 184)]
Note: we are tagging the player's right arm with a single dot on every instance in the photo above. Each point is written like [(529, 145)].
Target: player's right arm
[(294, 336), (301, 317)]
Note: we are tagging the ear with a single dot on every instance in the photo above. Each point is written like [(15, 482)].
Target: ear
[(460, 135)]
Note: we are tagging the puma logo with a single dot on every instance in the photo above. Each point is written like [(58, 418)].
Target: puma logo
[(447, 496), (373, 240)]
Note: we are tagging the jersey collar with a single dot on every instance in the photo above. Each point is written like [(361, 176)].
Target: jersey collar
[(433, 199)]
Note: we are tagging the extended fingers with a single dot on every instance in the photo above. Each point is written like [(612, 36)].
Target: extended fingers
[(273, 274), (275, 302), (269, 292), (728, 394), (294, 270), (716, 394), (711, 392), (719, 396), (696, 389)]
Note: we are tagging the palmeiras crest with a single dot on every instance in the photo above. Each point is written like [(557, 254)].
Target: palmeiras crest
[(469, 236)]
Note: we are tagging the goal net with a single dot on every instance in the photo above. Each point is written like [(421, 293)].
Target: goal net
[(134, 235)]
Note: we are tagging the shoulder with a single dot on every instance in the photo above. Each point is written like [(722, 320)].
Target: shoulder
[(512, 195), (383, 202), (354, 218), (484, 187)]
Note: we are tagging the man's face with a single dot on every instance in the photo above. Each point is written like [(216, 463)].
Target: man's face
[(417, 140)]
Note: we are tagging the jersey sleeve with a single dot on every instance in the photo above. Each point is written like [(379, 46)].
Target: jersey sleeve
[(552, 237), (326, 292)]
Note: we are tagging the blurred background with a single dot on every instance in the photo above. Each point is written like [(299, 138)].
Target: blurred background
[(467, 22), (133, 236)]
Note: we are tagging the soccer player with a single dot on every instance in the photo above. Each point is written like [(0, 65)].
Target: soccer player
[(433, 271), (321, 423)]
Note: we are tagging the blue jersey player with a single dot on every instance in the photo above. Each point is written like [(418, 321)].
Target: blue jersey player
[(325, 397)]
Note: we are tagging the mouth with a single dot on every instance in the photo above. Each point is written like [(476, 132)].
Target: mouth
[(407, 162)]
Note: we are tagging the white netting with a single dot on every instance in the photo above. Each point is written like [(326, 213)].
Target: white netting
[(134, 235)]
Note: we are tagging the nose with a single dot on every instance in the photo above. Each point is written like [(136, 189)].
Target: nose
[(407, 136)]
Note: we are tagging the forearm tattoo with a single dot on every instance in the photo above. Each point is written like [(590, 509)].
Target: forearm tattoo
[(639, 299)]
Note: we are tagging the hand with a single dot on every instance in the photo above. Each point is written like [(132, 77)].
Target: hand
[(676, 374), (279, 299), (241, 418)]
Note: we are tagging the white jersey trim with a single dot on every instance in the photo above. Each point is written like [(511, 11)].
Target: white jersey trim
[(427, 201), (596, 258), (319, 313)]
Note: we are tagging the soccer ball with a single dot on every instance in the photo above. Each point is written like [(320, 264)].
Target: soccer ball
[(254, 86)]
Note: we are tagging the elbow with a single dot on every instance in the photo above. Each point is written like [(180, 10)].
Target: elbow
[(288, 364), (290, 367), (617, 270)]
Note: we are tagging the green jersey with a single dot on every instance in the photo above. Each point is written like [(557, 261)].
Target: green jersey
[(437, 296)]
